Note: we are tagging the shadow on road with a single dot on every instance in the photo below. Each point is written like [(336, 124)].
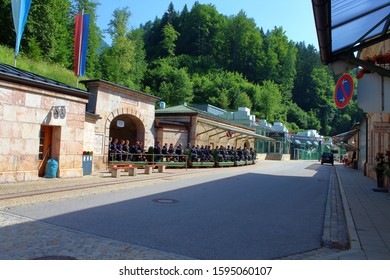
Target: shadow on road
[(248, 216)]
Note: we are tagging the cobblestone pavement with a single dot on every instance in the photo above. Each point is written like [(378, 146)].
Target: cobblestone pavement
[(52, 241)]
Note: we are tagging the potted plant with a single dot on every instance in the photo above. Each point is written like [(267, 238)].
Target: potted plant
[(382, 168)]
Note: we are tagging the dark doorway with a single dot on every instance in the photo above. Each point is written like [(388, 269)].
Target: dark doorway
[(45, 142), (127, 127)]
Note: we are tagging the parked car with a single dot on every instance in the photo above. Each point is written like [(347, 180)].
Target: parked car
[(327, 157)]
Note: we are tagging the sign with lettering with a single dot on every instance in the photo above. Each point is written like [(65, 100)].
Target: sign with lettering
[(381, 127)]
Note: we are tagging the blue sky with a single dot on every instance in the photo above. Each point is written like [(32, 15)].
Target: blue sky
[(296, 17)]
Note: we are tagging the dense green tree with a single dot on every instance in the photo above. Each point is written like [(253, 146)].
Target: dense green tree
[(152, 38), (223, 89), (7, 31), (171, 16), (201, 33), (170, 37), (139, 61), (172, 84), (196, 55), (221, 100), (242, 100), (296, 115), (307, 59), (322, 86), (243, 47), (46, 32), (269, 105), (280, 61), (119, 61)]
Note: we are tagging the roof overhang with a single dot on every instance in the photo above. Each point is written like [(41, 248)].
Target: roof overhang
[(119, 88), (238, 131), (344, 137), (21, 77), (346, 29), (341, 140)]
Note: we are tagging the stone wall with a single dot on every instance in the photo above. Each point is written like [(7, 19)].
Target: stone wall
[(378, 139), (111, 102), (23, 110)]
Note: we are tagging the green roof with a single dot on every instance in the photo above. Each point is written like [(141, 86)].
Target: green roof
[(178, 109), (185, 109)]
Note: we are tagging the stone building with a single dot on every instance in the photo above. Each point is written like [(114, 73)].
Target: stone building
[(40, 119), (124, 114), (366, 48), (185, 124)]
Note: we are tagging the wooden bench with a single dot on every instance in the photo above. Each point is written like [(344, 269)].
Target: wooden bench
[(149, 167), (116, 168), (121, 165)]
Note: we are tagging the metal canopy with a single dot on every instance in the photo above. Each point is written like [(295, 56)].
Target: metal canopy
[(347, 26), (344, 137), (356, 21), (248, 134), (341, 140)]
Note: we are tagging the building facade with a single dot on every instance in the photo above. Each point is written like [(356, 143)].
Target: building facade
[(40, 119), (123, 114)]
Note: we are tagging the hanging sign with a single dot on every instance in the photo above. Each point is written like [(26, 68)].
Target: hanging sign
[(343, 91)]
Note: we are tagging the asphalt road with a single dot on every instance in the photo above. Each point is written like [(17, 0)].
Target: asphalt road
[(235, 213)]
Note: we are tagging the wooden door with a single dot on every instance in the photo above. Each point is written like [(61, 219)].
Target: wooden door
[(45, 137)]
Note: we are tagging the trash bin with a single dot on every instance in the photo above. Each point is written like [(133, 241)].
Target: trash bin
[(51, 168), (87, 162)]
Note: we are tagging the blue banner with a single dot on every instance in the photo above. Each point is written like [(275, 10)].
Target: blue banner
[(20, 9)]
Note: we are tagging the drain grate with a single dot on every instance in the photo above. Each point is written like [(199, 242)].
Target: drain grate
[(55, 258), (165, 200)]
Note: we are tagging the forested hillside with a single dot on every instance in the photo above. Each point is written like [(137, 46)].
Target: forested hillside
[(195, 55)]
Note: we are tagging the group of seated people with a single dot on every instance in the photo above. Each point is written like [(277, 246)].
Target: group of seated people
[(235, 154), (123, 151)]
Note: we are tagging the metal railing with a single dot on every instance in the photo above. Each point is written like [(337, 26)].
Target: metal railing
[(147, 158)]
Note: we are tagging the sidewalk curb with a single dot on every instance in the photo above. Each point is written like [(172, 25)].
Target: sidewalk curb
[(335, 226), (353, 237)]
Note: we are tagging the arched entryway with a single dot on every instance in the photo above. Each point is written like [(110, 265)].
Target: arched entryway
[(127, 127)]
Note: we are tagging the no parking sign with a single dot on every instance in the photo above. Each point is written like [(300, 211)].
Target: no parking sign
[(343, 91)]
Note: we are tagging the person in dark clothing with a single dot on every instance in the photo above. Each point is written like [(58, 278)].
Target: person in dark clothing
[(126, 150), (114, 150), (239, 154), (171, 149), (194, 155), (119, 150), (138, 151), (179, 152), (164, 149), (157, 152)]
